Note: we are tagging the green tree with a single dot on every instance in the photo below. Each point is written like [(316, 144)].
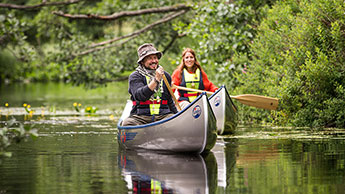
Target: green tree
[(219, 30), (83, 42)]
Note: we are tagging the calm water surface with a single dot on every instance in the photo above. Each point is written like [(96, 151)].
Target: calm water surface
[(78, 153)]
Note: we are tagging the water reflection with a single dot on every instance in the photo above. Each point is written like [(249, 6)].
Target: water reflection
[(225, 153), (292, 166), (78, 153), (154, 172)]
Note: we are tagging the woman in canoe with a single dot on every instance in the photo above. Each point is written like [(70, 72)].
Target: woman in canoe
[(190, 74)]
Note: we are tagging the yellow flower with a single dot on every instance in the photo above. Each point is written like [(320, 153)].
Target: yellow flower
[(24, 105), (75, 104), (6, 104), (88, 108), (29, 106), (79, 104)]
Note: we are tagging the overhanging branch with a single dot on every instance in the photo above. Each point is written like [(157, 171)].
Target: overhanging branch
[(129, 36), (174, 38), (125, 13), (146, 28), (101, 48), (43, 4)]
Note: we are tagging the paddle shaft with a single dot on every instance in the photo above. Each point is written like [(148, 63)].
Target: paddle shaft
[(171, 93), (247, 99)]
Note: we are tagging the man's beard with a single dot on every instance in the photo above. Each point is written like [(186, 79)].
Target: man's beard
[(149, 70), (149, 66)]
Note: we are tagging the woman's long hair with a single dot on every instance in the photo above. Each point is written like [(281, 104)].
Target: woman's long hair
[(183, 65)]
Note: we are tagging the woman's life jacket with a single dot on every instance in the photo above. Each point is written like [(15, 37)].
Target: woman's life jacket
[(191, 80)]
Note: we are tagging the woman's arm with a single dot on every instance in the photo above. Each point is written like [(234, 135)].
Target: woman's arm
[(176, 78), (209, 86)]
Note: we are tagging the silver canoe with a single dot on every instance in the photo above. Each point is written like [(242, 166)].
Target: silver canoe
[(152, 172), (224, 110), (193, 129)]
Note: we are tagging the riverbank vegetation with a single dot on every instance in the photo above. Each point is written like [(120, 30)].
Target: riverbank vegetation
[(292, 50), (298, 56)]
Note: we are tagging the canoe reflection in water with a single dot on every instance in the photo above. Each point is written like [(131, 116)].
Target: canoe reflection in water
[(225, 152), (152, 172)]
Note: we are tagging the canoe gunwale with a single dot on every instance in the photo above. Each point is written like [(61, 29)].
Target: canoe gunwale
[(227, 94), (163, 120), (206, 104), (232, 102), (222, 111)]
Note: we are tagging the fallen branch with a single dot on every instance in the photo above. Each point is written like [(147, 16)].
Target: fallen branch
[(129, 36), (174, 38), (101, 48), (124, 13), (43, 4), (136, 33)]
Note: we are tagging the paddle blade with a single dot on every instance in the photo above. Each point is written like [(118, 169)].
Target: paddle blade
[(258, 101)]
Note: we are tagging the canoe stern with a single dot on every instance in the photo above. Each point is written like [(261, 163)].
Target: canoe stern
[(224, 110)]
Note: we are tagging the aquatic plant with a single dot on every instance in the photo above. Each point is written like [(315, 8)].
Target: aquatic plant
[(14, 132), (91, 109), (52, 109), (77, 106), (88, 109), (27, 108)]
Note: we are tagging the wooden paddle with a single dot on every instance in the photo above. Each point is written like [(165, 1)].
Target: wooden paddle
[(247, 99), (171, 93)]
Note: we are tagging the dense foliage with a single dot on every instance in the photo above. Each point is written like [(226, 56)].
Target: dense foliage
[(298, 56), (220, 29), (39, 45), (292, 50)]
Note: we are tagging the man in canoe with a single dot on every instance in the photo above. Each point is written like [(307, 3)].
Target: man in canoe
[(190, 74), (149, 94)]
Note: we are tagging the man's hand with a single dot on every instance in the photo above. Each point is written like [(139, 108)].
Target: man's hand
[(159, 73)]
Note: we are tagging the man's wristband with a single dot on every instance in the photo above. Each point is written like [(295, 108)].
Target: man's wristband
[(156, 80)]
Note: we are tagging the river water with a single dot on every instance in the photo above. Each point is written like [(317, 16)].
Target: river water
[(77, 152)]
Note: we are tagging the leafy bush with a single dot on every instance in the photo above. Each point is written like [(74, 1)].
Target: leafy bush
[(12, 133), (298, 56)]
